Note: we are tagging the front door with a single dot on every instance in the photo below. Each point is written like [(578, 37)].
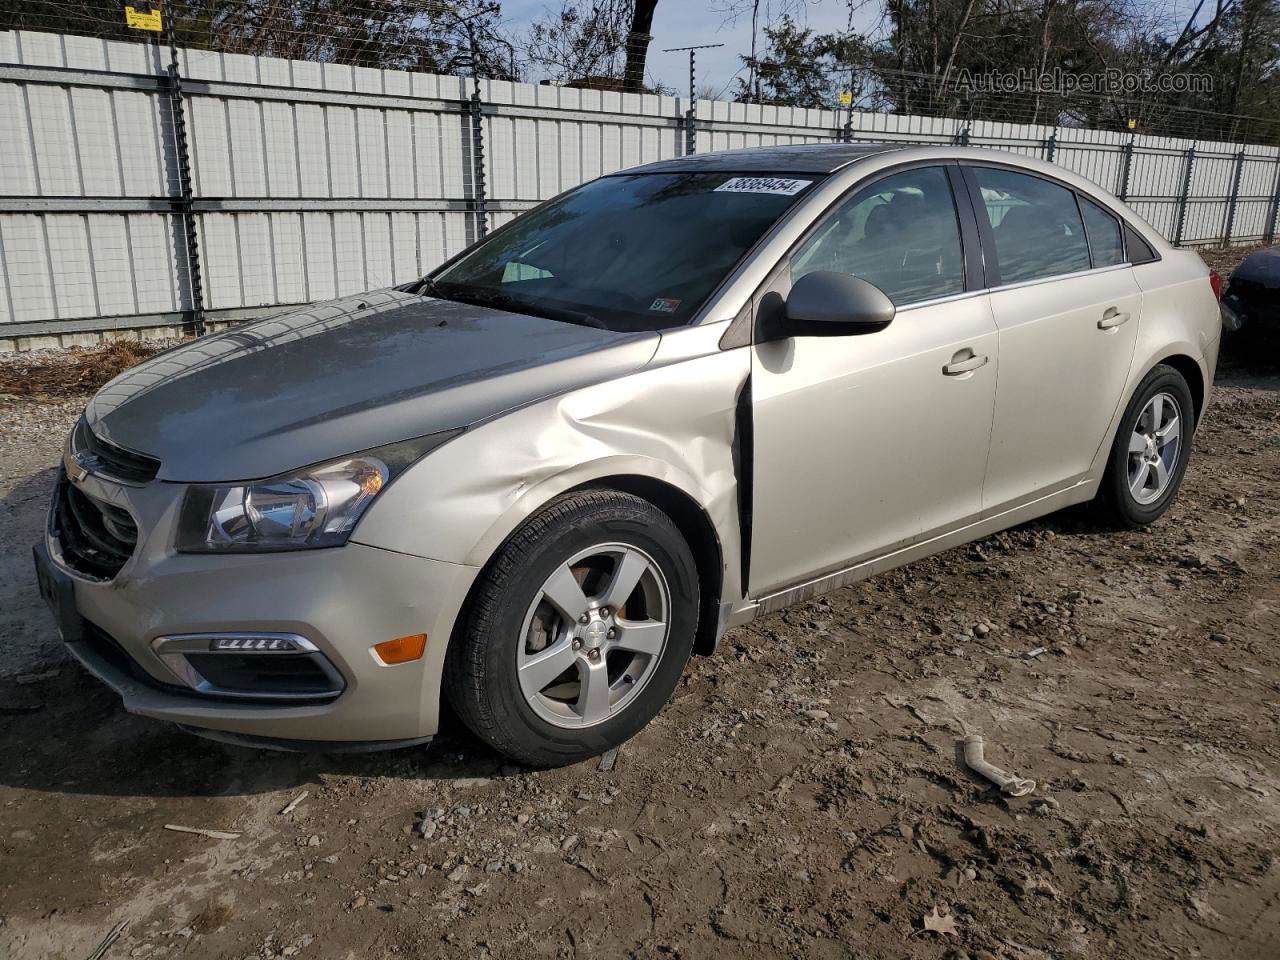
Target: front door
[(862, 443)]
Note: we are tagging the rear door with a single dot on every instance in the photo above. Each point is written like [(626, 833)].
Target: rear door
[(865, 442), (1068, 319)]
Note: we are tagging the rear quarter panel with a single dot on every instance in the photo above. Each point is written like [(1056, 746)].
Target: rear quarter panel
[(1179, 318), (1179, 314)]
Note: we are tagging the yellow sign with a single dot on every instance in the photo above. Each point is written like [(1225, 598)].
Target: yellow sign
[(846, 98), (1132, 124), (142, 19)]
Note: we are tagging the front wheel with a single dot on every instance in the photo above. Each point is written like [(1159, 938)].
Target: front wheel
[(1151, 449), (578, 630)]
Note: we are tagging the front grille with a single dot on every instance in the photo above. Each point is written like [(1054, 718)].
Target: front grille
[(97, 456), (95, 538)]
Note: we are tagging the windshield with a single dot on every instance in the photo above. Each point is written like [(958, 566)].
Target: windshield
[(634, 252)]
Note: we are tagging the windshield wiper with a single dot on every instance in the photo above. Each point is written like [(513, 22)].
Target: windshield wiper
[(559, 313), (504, 301)]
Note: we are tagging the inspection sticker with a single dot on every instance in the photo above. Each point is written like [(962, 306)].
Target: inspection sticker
[(787, 188), (665, 305)]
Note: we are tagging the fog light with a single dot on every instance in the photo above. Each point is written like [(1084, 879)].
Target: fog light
[(251, 666), (401, 649), (263, 644)]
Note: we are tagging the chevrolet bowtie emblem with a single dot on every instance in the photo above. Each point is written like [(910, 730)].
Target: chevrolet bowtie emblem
[(79, 465)]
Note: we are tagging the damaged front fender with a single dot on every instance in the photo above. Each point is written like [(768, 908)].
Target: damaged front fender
[(674, 422)]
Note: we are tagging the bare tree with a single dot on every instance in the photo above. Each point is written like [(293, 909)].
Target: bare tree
[(583, 39)]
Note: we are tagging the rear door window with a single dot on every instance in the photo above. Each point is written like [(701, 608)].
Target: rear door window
[(899, 233), (1035, 223), (1104, 234)]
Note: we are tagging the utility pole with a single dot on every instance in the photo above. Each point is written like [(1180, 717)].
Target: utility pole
[(692, 52), (690, 131), (853, 76)]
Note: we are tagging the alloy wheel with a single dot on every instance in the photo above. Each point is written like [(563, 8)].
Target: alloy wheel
[(594, 635), (1154, 446)]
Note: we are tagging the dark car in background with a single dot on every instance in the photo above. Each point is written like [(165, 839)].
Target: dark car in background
[(1251, 300)]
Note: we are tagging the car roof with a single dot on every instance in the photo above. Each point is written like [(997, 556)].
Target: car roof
[(823, 159), (795, 158)]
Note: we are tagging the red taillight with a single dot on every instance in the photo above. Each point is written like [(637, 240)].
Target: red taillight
[(1215, 281)]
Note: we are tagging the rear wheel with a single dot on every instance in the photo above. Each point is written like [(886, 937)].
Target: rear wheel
[(1151, 449), (578, 630)]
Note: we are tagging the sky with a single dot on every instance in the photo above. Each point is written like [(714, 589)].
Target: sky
[(680, 23)]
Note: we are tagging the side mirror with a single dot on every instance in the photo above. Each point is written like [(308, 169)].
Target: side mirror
[(829, 304)]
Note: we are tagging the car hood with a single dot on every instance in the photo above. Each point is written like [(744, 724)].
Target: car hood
[(340, 377)]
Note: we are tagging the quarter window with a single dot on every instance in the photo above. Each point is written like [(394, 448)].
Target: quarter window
[(900, 233), (1139, 250), (1104, 234), (1036, 224)]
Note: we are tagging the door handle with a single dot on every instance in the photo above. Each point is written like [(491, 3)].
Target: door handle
[(1112, 319), (961, 364)]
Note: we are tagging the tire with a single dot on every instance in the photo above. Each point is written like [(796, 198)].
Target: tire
[(1134, 507), (513, 635)]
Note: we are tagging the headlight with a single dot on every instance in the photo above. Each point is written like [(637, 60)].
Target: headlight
[(316, 506)]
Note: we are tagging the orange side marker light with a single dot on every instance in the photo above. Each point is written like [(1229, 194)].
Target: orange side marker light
[(401, 649)]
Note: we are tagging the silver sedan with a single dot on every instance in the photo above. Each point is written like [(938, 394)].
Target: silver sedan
[(657, 406)]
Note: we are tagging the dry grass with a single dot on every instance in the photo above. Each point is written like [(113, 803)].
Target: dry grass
[(1225, 259), (71, 373)]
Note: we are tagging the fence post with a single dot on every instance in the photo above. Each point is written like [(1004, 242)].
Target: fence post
[(1126, 169), (479, 200), (182, 162), (691, 128), (1269, 235), (1235, 196), (1189, 159), (1051, 147)]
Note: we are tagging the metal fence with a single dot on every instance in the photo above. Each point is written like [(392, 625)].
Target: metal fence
[(143, 191)]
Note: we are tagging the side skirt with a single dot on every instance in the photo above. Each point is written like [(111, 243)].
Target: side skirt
[(1079, 493)]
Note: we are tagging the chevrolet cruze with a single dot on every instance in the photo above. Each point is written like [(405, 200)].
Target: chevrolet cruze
[(533, 483)]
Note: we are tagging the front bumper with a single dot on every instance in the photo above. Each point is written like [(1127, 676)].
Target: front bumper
[(343, 600)]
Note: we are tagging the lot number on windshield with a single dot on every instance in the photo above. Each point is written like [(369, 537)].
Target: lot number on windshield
[(763, 185)]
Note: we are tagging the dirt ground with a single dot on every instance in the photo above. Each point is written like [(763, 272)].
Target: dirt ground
[(800, 796)]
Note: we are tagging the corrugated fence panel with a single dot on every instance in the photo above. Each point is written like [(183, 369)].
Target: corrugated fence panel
[(1205, 220), (1212, 174), (113, 279), (1160, 214), (68, 239), (329, 150), (100, 166), (1250, 220), (1157, 174), (1102, 165), (27, 267), (53, 141), (17, 161)]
